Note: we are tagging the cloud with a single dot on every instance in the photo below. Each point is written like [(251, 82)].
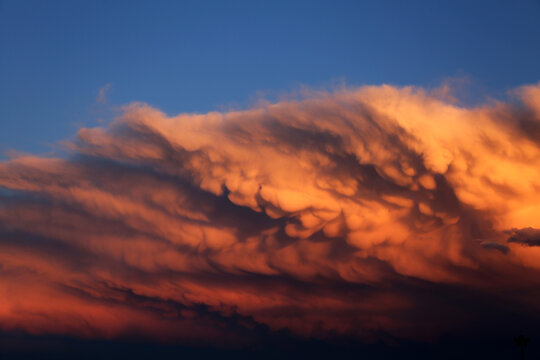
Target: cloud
[(343, 214), (102, 94), (527, 236), (495, 246)]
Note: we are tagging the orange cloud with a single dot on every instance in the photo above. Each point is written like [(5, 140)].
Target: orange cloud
[(337, 214)]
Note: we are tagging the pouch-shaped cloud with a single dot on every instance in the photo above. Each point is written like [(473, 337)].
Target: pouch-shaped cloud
[(344, 214)]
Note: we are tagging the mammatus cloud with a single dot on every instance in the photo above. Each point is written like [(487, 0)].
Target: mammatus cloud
[(354, 213)]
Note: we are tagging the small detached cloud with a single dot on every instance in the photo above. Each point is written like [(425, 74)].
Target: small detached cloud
[(102, 94), (526, 236), (495, 246)]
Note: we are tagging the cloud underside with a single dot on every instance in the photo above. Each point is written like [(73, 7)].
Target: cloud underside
[(351, 213)]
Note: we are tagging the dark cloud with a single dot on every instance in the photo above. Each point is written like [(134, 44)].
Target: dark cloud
[(496, 246), (526, 236)]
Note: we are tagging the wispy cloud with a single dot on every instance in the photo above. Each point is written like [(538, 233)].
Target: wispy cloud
[(343, 213), (102, 94)]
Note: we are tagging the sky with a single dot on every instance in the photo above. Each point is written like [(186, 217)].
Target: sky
[(198, 56), (266, 179)]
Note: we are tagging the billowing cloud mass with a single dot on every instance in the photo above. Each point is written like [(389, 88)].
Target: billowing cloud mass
[(378, 210)]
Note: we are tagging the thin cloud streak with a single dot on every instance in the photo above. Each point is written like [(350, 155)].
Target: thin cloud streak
[(102, 94), (343, 214)]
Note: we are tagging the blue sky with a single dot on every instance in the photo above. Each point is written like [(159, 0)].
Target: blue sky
[(196, 56)]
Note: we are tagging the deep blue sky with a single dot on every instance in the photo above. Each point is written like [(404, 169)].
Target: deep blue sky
[(187, 56)]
